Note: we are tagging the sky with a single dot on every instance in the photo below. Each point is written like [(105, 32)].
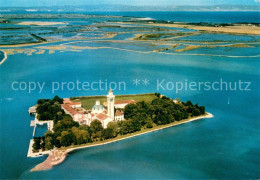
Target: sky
[(28, 3)]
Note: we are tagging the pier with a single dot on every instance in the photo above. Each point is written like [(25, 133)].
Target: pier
[(34, 123), (30, 152), (32, 110)]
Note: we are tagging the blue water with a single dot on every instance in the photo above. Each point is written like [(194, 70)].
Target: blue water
[(190, 16), (178, 16), (1, 55), (40, 130), (226, 146)]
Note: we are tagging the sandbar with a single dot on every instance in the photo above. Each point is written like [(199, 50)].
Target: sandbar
[(40, 23)]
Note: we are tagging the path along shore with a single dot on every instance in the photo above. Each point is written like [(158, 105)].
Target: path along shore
[(5, 57), (58, 156)]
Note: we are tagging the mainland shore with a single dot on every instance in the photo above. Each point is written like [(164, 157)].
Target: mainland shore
[(57, 156)]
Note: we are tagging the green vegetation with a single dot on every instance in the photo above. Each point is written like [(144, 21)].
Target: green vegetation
[(156, 111), (211, 24), (48, 109), (162, 36), (149, 36), (161, 110), (89, 101), (40, 39)]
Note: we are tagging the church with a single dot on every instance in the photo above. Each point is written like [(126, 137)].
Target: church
[(109, 111)]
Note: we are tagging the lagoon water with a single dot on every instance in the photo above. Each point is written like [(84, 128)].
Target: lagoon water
[(226, 146)]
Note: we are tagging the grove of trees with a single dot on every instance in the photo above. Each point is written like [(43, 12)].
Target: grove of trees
[(49, 109)]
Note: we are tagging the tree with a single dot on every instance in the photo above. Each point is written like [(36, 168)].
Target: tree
[(135, 125), (86, 128), (124, 127), (43, 143), (82, 136), (64, 124), (202, 109), (107, 133), (188, 103), (67, 138), (149, 123), (97, 135), (85, 137), (41, 101), (37, 144), (158, 95), (48, 143), (178, 115), (113, 125), (48, 109), (57, 141), (195, 112), (49, 133), (58, 99), (130, 110), (96, 126)]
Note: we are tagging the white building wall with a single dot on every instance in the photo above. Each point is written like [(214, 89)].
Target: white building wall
[(119, 118), (97, 111), (120, 106), (75, 106), (106, 121), (87, 118), (110, 104), (77, 117)]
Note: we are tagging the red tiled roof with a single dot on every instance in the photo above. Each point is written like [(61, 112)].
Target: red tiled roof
[(102, 116), (66, 100), (119, 113), (125, 102), (71, 110), (74, 103), (122, 102)]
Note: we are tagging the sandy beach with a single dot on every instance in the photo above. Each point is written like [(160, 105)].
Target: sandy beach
[(5, 57), (54, 158), (40, 23), (58, 156)]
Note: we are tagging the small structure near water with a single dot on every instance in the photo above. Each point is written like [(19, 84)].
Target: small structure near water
[(32, 110)]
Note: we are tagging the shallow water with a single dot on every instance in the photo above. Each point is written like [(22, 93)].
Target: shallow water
[(225, 146)]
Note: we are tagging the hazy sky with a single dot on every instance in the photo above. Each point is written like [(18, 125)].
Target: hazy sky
[(27, 3)]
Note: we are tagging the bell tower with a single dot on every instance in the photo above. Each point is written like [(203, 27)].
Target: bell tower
[(110, 104)]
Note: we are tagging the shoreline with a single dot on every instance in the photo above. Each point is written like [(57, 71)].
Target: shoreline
[(242, 29), (5, 57), (62, 152)]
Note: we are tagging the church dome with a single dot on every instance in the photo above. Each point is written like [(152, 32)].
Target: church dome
[(98, 107)]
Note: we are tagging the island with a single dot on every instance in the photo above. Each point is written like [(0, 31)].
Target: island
[(82, 122)]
